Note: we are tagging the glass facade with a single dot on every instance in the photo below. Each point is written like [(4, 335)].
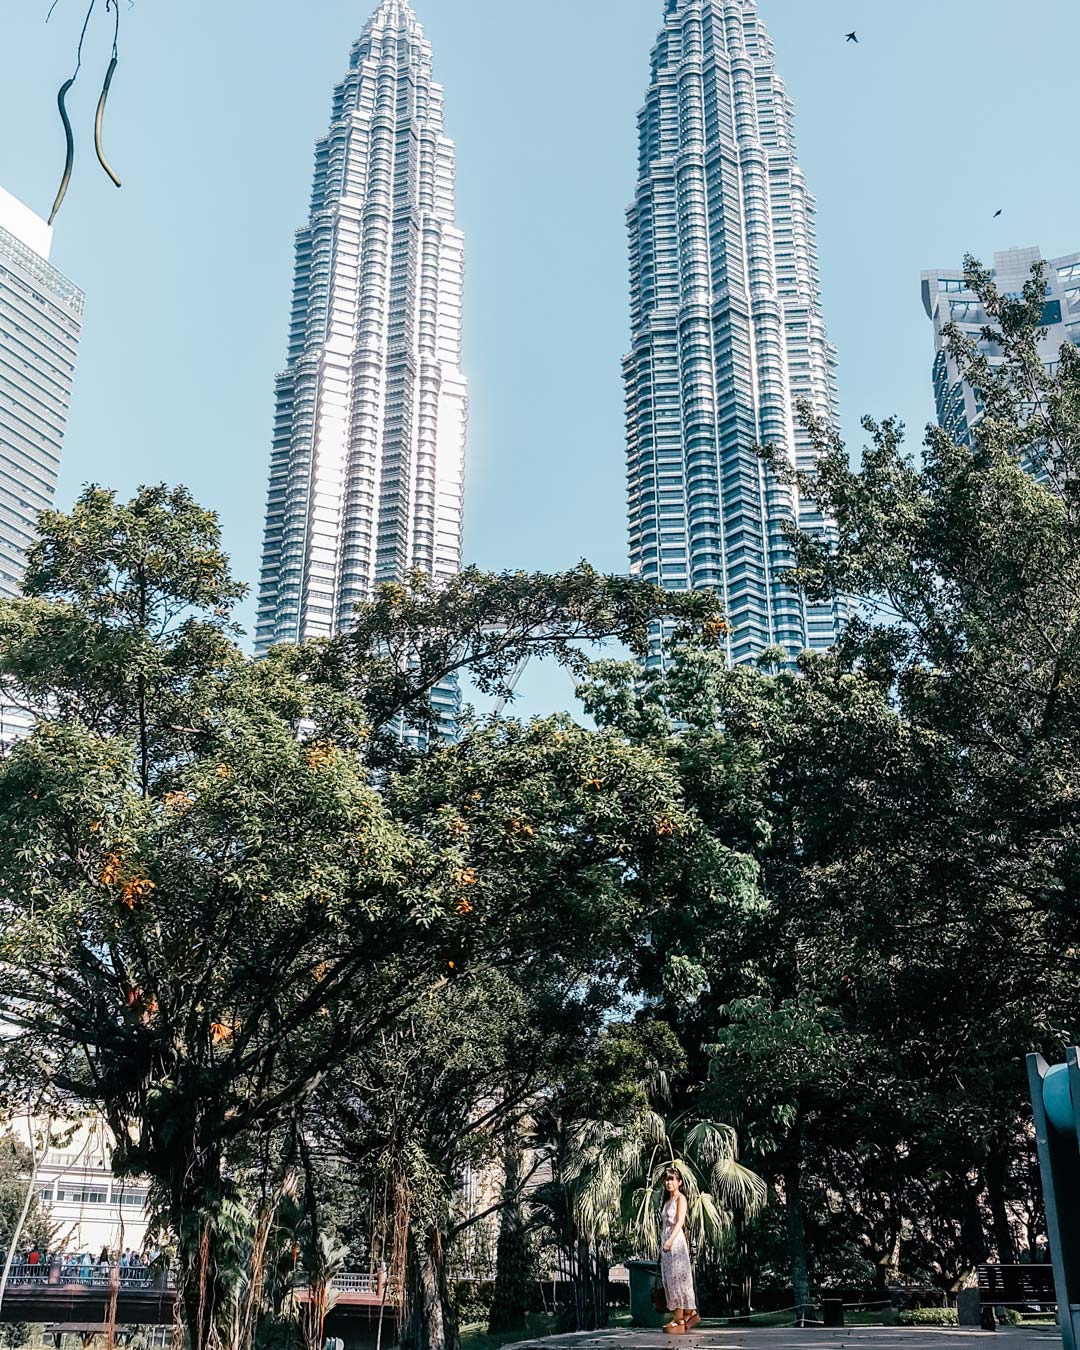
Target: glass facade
[(367, 460), (726, 328), (947, 299), (40, 321)]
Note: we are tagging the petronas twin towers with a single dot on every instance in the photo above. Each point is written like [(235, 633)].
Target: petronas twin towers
[(367, 462)]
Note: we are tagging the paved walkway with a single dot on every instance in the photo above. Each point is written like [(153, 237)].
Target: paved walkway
[(810, 1338)]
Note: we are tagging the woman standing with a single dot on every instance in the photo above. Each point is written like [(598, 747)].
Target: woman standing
[(675, 1259)]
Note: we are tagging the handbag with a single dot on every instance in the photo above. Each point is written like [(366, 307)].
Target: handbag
[(659, 1298)]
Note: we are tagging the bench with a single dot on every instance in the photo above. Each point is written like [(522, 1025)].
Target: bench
[(1019, 1286)]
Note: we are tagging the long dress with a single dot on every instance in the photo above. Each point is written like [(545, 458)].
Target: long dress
[(675, 1264)]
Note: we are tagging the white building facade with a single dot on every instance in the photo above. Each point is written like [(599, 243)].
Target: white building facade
[(367, 464), (88, 1207), (727, 332)]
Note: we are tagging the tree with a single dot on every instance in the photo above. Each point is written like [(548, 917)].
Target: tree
[(207, 906), (15, 1166), (865, 1006)]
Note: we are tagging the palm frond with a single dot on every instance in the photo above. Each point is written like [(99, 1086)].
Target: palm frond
[(738, 1189)]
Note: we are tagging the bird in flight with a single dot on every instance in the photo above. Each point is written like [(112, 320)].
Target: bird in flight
[(997, 213), (852, 37)]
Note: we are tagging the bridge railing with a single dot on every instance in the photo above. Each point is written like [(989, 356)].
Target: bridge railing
[(347, 1282), (23, 1273), (56, 1271)]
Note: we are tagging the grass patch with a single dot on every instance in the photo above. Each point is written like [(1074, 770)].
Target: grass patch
[(474, 1336)]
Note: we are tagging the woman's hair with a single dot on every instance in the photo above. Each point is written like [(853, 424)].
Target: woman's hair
[(671, 1174)]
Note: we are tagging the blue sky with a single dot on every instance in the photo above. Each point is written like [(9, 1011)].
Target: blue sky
[(944, 112)]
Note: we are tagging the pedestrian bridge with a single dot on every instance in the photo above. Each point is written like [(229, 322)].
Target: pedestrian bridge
[(62, 1291)]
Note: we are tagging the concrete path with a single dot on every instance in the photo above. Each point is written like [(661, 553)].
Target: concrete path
[(811, 1338)]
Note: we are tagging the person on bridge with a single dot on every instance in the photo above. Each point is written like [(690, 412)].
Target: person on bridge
[(675, 1268)]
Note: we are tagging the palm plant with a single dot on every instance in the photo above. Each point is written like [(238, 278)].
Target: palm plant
[(616, 1172)]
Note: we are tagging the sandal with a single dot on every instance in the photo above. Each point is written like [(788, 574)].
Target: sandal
[(675, 1328), (692, 1321)]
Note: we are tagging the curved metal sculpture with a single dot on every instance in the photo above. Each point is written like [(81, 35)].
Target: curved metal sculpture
[(69, 158), (1055, 1109), (61, 103), (99, 119)]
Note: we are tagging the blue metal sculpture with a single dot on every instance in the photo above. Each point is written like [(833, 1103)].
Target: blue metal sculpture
[(1055, 1105)]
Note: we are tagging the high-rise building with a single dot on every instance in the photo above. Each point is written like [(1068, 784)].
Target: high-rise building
[(946, 299), (726, 328), (368, 449), (40, 318)]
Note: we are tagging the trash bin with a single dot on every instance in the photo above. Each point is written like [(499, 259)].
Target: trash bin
[(833, 1311), (643, 1275)]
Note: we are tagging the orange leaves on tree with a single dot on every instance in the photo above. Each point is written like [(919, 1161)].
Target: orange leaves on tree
[(132, 888), (515, 825), (715, 628), (220, 1031), (465, 907), (665, 825), (110, 873), (466, 876), (319, 755), (179, 801), (223, 771), (138, 888)]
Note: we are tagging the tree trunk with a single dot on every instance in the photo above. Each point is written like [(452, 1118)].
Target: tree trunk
[(197, 1189), (313, 1313), (997, 1172), (798, 1256), (973, 1235), (431, 1323), (513, 1258), (196, 1290)]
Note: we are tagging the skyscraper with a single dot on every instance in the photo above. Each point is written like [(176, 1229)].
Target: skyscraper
[(726, 328), (40, 319), (947, 299), (368, 448)]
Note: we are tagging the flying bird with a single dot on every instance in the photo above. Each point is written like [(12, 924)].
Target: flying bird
[(997, 213), (852, 37)]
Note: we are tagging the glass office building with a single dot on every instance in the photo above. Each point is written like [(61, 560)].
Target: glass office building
[(727, 331), (40, 320), (947, 299)]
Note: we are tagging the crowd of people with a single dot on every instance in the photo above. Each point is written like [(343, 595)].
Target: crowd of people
[(77, 1267)]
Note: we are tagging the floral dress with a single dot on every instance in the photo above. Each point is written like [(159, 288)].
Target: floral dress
[(675, 1264)]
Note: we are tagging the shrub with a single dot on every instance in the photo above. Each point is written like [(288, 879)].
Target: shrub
[(1013, 1316), (927, 1317), (472, 1302)]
